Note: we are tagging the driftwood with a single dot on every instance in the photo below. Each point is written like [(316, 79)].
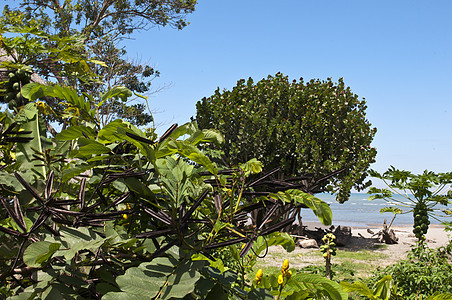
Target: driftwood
[(343, 235), (387, 235)]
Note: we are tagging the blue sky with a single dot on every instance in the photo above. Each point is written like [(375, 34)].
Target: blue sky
[(396, 54)]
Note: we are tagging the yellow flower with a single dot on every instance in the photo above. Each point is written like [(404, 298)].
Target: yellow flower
[(259, 275), (280, 279), (288, 274), (285, 266), (124, 216)]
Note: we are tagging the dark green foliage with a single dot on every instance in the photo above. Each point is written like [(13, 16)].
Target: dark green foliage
[(425, 272), (304, 127)]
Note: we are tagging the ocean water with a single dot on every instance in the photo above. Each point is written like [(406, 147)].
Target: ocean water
[(359, 211)]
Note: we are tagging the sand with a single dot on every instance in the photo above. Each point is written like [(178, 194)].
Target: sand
[(363, 240), (436, 237)]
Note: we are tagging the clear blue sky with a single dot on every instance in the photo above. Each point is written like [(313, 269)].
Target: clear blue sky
[(396, 54)]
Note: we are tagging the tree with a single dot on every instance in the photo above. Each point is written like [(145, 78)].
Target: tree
[(316, 127), (421, 194), (102, 25)]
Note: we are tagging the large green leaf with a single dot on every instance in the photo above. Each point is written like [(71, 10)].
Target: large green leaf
[(182, 281), (93, 149), (30, 120), (278, 238), (74, 132), (319, 285), (136, 186), (117, 131), (320, 208), (165, 277), (76, 239), (358, 287), (191, 152), (37, 254), (140, 283), (117, 92), (34, 91)]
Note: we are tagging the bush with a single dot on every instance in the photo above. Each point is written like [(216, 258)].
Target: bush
[(315, 127), (425, 272)]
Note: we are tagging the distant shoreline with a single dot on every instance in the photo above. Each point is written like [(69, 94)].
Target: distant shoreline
[(313, 224)]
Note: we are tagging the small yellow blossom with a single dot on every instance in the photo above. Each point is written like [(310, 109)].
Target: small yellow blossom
[(280, 279), (288, 274), (285, 266), (259, 275)]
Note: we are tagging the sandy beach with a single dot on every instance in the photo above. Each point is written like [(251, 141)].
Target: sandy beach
[(436, 237), (362, 240)]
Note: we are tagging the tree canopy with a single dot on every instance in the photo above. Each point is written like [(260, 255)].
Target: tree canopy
[(100, 26), (315, 127)]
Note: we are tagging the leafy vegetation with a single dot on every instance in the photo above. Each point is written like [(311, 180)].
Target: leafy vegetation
[(316, 127), (110, 211), (425, 272), (104, 209)]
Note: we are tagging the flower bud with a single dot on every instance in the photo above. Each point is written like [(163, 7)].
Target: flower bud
[(259, 275), (285, 265)]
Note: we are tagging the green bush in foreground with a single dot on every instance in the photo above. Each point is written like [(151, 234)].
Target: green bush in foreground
[(424, 273)]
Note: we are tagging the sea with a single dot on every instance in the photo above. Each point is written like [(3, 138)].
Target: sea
[(358, 211)]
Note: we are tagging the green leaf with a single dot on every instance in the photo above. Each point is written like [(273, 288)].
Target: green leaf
[(109, 133), (31, 121), (123, 296), (135, 185), (75, 171), (277, 238), (37, 254), (321, 285), (391, 209), (213, 136), (183, 280), (260, 294), (189, 151), (33, 91), (137, 282), (217, 263), (320, 208), (74, 132), (117, 92), (93, 148), (359, 288), (164, 276), (383, 287)]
